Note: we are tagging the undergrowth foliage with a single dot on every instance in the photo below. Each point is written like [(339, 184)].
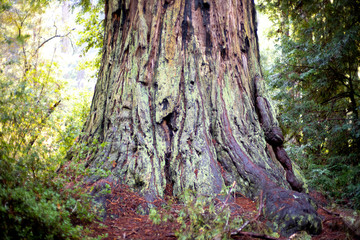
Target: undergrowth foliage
[(36, 202), (38, 125), (207, 217)]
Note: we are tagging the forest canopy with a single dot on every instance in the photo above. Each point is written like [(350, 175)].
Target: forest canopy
[(315, 82)]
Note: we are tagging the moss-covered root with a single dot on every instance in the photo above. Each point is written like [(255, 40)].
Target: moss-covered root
[(290, 212)]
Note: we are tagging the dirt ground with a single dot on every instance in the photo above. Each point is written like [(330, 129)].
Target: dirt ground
[(123, 221)]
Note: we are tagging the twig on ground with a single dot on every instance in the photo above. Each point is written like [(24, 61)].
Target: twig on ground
[(255, 235), (225, 202), (329, 212), (261, 205), (228, 195)]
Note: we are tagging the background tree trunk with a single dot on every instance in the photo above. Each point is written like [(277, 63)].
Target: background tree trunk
[(179, 102)]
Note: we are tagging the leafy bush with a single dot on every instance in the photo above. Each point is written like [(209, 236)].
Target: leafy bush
[(38, 125), (36, 202)]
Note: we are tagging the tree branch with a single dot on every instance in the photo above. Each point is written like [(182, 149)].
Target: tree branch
[(338, 96), (42, 124), (227, 198), (55, 36)]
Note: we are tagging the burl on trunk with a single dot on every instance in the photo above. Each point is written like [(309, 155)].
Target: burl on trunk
[(180, 103)]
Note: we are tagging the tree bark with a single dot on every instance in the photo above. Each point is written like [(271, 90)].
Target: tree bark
[(180, 103)]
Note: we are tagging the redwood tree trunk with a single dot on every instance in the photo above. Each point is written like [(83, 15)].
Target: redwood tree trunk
[(180, 103)]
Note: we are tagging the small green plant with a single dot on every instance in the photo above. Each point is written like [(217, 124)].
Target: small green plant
[(154, 216), (201, 217), (206, 217)]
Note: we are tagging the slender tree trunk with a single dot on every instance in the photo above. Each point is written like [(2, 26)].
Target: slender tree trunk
[(180, 103)]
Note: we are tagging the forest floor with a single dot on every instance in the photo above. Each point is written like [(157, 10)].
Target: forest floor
[(123, 221)]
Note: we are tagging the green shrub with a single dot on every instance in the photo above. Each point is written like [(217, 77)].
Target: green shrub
[(36, 202)]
